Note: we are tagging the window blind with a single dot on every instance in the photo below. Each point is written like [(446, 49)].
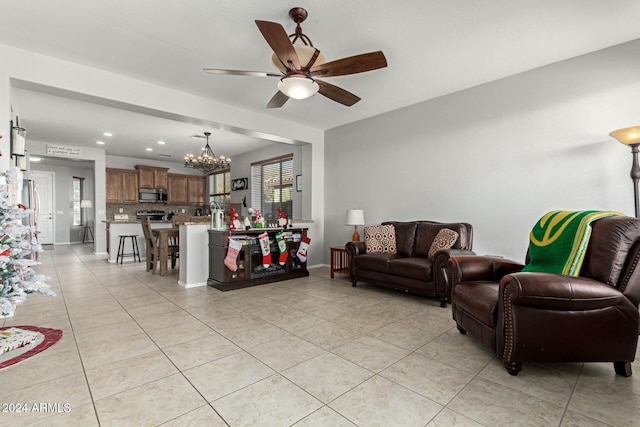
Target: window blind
[(272, 186)]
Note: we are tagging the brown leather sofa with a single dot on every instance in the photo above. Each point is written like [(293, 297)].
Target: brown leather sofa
[(410, 269), (542, 317)]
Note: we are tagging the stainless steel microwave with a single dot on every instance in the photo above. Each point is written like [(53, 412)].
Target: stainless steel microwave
[(152, 196)]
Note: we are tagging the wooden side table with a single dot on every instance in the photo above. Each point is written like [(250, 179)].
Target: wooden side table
[(339, 261)]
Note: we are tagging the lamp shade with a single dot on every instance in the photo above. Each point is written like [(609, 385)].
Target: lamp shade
[(298, 87), (355, 217), (86, 204), (627, 136), (17, 141)]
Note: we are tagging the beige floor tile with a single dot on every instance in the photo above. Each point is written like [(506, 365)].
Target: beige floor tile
[(116, 377), (371, 353), (448, 418), (327, 376), (273, 401), (180, 333), (430, 378), (88, 338), (57, 395), (226, 375), (329, 335), (285, 352), (152, 309), (252, 335), (118, 349), (84, 416), (325, 416), (147, 297), (380, 402), (150, 404), (165, 320), (548, 384), (426, 319), (608, 402), (203, 416), (403, 335), (200, 351), (103, 319), (571, 419), (41, 368), (457, 350), (493, 404)]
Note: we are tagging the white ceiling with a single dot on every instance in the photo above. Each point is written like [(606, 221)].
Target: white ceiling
[(433, 48)]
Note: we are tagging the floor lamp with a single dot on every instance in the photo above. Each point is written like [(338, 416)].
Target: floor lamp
[(631, 137), (355, 217), (86, 204)]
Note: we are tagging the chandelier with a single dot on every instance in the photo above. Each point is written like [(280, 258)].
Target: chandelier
[(206, 162)]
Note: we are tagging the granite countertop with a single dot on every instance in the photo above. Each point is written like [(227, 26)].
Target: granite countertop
[(134, 221)]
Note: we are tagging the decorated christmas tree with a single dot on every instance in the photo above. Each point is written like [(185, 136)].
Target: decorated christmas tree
[(18, 245)]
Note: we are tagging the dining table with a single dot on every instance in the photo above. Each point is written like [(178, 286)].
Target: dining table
[(163, 236)]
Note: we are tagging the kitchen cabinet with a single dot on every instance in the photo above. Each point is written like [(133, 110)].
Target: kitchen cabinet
[(151, 177), (122, 186), (185, 190), (177, 194)]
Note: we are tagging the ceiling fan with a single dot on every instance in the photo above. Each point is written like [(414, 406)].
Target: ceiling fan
[(300, 65)]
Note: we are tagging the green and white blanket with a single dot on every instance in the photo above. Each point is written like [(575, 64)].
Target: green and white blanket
[(558, 241)]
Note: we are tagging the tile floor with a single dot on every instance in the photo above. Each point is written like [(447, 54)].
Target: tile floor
[(138, 350)]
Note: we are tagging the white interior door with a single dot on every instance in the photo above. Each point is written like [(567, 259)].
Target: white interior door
[(44, 206)]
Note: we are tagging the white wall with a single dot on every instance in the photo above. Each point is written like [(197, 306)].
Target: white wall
[(498, 156)]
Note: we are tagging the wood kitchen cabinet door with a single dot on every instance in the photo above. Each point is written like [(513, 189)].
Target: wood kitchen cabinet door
[(150, 177), (196, 185), (122, 186), (178, 189)]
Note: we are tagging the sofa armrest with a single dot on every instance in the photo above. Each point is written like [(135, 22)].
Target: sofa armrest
[(441, 272), (558, 292), (479, 267), (355, 248)]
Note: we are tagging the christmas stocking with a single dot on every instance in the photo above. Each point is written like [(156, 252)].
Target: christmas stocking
[(302, 250), (282, 247), (232, 255), (266, 249)]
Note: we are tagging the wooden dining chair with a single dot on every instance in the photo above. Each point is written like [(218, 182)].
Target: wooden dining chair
[(153, 250)]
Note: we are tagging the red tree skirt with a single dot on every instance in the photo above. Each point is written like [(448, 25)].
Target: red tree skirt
[(50, 337)]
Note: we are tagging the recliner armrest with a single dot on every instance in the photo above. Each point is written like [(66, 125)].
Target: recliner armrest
[(481, 268), (558, 292), (441, 271)]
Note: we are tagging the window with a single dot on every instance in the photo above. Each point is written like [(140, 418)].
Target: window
[(77, 197), (272, 186), (220, 189)]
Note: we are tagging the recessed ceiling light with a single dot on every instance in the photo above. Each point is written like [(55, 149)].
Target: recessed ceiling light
[(149, 149), (100, 142), (161, 142), (107, 134), (34, 159)]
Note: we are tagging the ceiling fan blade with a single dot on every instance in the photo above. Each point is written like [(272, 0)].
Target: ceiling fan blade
[(337, 94), (241, 73), (351, 65), (279, 41), (278, 100)]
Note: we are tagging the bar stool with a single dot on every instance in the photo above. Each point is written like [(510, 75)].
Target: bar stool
[(134, 247)]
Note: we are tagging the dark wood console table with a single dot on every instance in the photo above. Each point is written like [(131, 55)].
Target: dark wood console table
[(250, 270)]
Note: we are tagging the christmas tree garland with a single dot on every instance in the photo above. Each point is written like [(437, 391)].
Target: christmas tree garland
[(18, 245)]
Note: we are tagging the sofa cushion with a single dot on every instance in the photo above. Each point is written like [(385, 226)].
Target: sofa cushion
[(412, 268), (376, 261), (425, 235), (380, 238), (445, 239), (405, 236)]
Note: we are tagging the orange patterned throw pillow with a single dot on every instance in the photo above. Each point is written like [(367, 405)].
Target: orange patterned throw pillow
[(380, 238), (445, 239)]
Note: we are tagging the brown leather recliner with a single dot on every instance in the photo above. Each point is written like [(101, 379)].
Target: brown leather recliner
[(542, 317)]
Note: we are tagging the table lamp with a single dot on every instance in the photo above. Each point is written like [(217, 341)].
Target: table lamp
[(355, 217)]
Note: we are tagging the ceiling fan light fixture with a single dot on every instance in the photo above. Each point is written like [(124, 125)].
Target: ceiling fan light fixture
[(298, 87), (304, 52)]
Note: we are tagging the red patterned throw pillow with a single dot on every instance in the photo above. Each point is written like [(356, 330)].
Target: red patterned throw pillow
[(445, 239), (380, 238)]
